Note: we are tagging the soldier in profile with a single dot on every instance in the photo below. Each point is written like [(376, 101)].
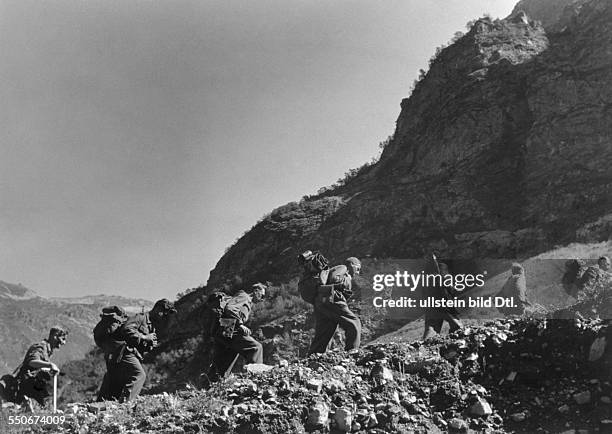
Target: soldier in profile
[(37, 370), (232, 337), (331, 308), (436, 316), (140, 336)]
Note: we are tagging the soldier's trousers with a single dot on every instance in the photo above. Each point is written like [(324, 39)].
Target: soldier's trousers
[(328, 316), (104, 394), (434, 320), (35, 387), (226, 352), (131, 376), (110, 389)]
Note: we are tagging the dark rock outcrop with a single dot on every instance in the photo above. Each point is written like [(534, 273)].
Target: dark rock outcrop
[(502, 150)]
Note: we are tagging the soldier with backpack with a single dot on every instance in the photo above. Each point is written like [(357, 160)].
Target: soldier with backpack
[(37, 370), (231, 336), (139, 334), (213, 310), (436, 316), (109, 339), (315, 271), (328, 290)]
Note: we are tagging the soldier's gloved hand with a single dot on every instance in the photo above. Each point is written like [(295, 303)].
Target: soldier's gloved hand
[(245, 330), (54, 370), (151, 340)]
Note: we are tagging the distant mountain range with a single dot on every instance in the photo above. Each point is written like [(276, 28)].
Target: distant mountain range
[(25, 318)]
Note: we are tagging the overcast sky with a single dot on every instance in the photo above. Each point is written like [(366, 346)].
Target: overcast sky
[(139, 139)]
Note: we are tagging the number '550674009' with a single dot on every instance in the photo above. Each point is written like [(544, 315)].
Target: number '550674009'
[(36, 419)]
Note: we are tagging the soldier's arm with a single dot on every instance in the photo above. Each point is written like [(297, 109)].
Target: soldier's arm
[(345, 286), (133, 335), (35, 359), (37, 364)]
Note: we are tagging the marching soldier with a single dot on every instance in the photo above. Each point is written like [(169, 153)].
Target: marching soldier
[(435, 316), (331, 308), (139, 334), (232, 337)]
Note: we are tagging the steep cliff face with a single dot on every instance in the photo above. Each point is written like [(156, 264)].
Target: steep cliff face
[(551, 13), (502, 150)]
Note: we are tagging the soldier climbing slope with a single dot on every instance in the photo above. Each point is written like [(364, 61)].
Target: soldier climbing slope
[(107, 335), (232, 337), (435, 316), (139, 334), (333, 289), (37, 369)]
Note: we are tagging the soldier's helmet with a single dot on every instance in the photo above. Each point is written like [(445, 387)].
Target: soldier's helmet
[(164, 305)]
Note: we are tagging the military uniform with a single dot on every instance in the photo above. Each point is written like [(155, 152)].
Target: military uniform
[(331, 310), (33, 382), (230, 343), (130, 375), (435, 316), (107, 335), (110, 388), (515, 287)]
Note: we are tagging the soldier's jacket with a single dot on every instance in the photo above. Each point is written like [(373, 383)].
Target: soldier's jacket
[(39, 351), (239, 307), (34, 382), (134, 331), (338, 284)]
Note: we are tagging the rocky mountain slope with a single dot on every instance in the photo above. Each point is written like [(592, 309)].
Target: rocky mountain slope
[(521, 375), (553, 14), (502, 151), (25, 318)]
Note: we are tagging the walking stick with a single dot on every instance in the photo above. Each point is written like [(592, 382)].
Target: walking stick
[(55, 393), (54, 388)]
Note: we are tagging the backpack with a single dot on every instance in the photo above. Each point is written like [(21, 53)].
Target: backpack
[(340, 275), (9, 388), (317, 271), (213, 310), (111, 320)]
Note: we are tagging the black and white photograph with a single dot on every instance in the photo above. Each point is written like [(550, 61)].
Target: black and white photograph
[(306, 216)]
